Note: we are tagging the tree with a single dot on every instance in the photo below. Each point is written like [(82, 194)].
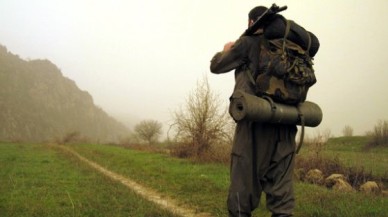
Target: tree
[(347, 131), (149, 131), (202, 122), (379, 136)]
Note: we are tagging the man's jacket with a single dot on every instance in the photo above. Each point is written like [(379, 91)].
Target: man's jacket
[(243, 57)]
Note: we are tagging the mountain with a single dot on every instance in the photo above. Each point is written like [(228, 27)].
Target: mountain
[(37, 103)]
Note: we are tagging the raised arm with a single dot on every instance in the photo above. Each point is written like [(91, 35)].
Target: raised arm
[(232, 56)]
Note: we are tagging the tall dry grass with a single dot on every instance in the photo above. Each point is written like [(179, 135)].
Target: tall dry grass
[(379, 135)]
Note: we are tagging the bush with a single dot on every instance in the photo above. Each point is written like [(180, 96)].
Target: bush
[(379, 136), (71, 137), (316, 144), (201, 125), (347, 131), (216, 153), (149, 131)]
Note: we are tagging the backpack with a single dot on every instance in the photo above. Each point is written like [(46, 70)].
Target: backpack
[(285, 71)]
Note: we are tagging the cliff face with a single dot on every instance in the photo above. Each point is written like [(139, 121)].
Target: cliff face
[(37, 103)]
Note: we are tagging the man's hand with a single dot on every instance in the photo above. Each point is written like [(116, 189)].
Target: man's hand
[(228, 45)]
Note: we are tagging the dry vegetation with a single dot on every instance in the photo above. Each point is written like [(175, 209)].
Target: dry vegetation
[(319, 154), (202, 129), (379, 135)]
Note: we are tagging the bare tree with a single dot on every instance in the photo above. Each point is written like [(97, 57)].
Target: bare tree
[(347, 131), (202, 122), (149, 130), (379, 136)]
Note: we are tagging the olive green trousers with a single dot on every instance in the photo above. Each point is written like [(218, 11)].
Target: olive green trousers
[(262, 161)]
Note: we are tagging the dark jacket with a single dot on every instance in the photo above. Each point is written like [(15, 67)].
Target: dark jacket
[(243, 57)]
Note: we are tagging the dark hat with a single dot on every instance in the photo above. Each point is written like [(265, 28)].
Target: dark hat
[(256, 12)]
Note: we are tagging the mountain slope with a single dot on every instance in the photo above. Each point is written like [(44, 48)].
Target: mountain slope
[(37, 103)]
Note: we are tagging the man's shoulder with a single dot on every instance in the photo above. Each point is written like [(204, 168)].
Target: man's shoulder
[(248, 40), (254, 37)]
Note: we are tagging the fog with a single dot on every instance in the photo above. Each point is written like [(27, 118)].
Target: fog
[(140, 59)]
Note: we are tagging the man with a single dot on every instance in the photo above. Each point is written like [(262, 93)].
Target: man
[(262, 153)]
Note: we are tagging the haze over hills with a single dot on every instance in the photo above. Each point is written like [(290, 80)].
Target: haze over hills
[(37, 103)]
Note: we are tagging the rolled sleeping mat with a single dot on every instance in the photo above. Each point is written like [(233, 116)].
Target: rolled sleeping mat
[(244, 106)]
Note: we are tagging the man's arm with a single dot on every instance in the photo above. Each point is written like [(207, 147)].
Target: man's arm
[(232, 56)]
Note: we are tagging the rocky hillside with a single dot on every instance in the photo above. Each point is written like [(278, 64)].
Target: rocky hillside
[(37, 103)]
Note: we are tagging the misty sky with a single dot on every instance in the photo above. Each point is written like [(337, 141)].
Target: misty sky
[(140, 59)]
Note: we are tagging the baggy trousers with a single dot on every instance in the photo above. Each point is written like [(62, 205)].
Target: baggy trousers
[(262, 161)]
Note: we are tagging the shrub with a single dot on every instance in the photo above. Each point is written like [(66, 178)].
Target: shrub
[(316, 143), (347, 131), (201, 124), (71, 137), (379, 136), (149, 131), (216, 153)]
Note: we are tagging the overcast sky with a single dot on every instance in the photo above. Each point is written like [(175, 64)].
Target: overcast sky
[(140, 59)]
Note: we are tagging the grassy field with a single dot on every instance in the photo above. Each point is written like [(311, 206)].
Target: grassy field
[(42, 181), (202, 185), (36, 180), (351, 151)]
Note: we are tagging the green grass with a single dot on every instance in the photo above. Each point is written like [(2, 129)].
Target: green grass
[(36, 180), (193, 184), (205, 185), (316, 201), (351, 152)]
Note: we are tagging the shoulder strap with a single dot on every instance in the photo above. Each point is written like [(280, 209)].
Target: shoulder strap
[(250, 75), (287, 30), (253, 75)]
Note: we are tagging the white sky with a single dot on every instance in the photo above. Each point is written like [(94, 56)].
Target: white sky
[(140, 59)]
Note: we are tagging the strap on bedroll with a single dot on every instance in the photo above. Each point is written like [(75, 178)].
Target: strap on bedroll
[(302, 123), (262, 109)]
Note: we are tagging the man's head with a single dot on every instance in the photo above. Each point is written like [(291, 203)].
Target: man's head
[(255, 13)]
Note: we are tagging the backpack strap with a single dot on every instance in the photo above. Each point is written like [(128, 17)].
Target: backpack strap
[(253, 75), (286, 32), (250, 76)]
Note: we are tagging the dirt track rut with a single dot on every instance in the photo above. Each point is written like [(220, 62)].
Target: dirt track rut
[(147, 193)]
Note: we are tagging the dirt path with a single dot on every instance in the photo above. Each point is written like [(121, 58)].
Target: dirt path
[(149, 194)]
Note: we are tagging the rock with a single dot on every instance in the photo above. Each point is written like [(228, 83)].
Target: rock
[(370, 187), (384, 193), (314, 176), (332, 179), (342, 185), (338, 182)]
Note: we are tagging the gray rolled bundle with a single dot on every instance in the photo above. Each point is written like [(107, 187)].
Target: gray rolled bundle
[(244, 106)]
